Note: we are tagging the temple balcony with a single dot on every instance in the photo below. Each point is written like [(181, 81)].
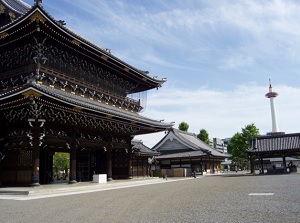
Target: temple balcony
[(64, 82)]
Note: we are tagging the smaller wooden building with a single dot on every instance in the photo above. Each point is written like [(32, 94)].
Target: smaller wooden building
[(181, 149), (142, 159), (272, 146)]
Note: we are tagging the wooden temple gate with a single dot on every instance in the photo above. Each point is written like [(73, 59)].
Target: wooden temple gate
[(61, 93)]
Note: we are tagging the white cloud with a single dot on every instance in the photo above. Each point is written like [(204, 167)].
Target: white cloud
[(236, 61)]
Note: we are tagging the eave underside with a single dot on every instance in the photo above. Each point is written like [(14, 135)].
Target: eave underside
[(189, 155), (275, 153), (74, 112)]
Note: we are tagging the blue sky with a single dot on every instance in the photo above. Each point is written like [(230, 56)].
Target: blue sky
[(217, 57)]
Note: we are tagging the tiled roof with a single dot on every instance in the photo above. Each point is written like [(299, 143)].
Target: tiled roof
[(142, 149), (152, 82), (276, 143), (16, 6), (193, 142)]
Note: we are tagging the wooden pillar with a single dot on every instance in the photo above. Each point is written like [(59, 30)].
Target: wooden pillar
[(109, 162), (284, 163), (129, 163), (143, 172), (35, 179), (129, 159), (252, 165), (73, 157), (261, 165), (50, 167), (201, 171)]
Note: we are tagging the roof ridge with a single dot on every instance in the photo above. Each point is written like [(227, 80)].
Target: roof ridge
[(185, 132)]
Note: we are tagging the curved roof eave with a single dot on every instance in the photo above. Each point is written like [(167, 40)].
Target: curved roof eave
[(220, 155), (184, 155), (75, 100)]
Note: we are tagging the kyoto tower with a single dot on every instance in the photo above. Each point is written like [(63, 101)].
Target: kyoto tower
[(271, 94)]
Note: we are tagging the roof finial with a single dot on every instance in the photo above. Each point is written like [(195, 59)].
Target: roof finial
[(38, 2)]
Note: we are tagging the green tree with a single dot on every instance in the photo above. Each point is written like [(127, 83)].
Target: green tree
[(61, 162), (203, 135), (240, 144), (236, 147), (183, 126)]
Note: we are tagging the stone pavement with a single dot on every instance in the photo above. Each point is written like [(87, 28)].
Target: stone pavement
[(81, 187), (59, 189)]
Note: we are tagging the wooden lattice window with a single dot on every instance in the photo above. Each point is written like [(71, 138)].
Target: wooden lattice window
[(24, 158), (10, 158)]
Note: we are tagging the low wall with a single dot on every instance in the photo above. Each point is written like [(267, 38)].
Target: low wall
[(176, 172)]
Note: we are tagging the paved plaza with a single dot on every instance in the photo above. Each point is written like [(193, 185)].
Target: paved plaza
[(215, 198)]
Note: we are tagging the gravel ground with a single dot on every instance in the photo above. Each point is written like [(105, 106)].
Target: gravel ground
[(220, 198)]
